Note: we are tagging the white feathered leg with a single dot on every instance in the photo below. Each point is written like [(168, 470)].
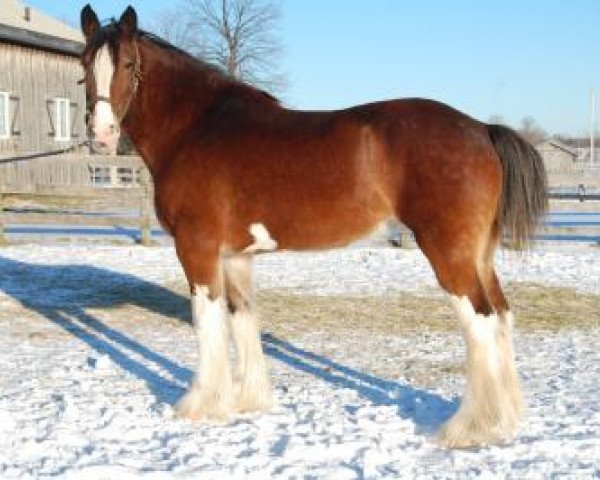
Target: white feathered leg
[(491, 406), (253, 392), (210, 397), (254, 387)]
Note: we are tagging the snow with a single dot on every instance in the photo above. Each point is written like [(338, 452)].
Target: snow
[(90, 373)]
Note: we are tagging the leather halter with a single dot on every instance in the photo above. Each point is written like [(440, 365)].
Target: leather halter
[(134, 82), (99, 98)]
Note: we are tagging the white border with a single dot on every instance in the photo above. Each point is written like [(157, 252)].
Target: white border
[(57, 120), (4, 136)]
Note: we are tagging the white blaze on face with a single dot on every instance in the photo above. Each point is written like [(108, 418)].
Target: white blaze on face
[(103, 119)]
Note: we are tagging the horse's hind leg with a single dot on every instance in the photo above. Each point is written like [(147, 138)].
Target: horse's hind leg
[(504, 334), (489, 409), (253, 388)]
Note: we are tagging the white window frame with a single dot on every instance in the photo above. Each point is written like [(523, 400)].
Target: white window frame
[(6, 115), (101, 176), (60, 136)]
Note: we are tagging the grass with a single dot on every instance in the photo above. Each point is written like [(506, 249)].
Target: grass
[(290, 314), (537, 308), (553, 308)]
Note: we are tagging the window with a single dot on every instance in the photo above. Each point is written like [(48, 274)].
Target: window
[(62, 132), (126, 176), (101, 176), (4, 118)]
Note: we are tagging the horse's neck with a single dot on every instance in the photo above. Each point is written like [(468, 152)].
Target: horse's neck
[(170, 99)]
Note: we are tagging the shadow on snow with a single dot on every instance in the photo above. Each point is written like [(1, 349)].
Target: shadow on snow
[(63, 293)]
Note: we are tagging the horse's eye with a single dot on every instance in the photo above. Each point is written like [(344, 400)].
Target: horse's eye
[(79, 82), (129, 64)]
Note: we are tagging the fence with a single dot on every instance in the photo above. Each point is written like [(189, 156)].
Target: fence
[(105, 191), (577, 220), (76, 190), (571, 224)]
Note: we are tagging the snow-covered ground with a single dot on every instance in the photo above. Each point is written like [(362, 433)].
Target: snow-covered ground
[(93, 355)]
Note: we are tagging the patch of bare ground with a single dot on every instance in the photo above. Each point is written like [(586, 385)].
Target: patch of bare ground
[(290, 314), (537, 307), (552, 308)]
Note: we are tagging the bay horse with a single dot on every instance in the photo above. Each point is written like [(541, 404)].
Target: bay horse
[(237, 174)]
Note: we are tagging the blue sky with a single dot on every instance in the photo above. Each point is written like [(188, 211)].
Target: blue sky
[(511, 58)]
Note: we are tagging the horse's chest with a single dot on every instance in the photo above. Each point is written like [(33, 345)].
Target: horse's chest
[(164, 214)]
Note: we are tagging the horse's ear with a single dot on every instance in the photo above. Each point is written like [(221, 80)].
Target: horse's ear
[(89, 21), (128, 21)]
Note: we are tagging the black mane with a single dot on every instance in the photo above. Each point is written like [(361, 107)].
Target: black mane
[(109, 34), (161, 42)]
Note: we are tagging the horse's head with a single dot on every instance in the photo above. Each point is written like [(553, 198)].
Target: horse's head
[(111, 61)]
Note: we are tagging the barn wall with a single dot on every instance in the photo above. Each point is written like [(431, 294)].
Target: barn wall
[(33, 78), (556, 160)]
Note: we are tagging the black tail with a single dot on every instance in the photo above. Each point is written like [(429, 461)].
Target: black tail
[(524, 191)]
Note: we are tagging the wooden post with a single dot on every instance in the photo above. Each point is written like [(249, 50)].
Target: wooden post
[(3, 240), (398, 234), (145, 208), (404, 237)]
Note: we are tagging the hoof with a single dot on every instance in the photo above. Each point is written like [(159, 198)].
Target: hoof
[(469, 433), (201, 406), (251, 404), (253, 400), (456, 436)]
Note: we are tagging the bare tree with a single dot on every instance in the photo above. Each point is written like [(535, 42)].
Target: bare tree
[(241, 37), (172, 26), (531, 131), (496, 119)]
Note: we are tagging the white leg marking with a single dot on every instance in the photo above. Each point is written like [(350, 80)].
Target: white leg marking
[(491, 406), (509, 376), (210, 397), (262, 239), (254, 389), (479, 332)]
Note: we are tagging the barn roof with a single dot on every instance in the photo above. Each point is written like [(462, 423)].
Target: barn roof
[(25, 25), (558, 145)]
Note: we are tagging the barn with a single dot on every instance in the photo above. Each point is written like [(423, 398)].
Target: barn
[(42, 108), (558, 157)]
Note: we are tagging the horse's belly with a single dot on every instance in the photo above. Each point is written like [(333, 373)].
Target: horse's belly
[(331, 228)]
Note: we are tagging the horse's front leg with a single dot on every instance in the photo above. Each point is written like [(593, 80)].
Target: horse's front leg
[(210, 396)]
